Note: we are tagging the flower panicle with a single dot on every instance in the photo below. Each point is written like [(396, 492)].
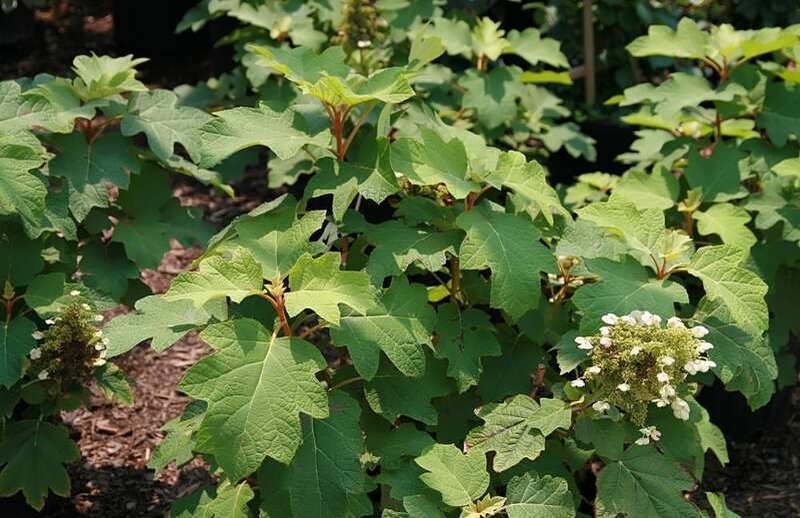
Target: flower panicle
[(640, 359)]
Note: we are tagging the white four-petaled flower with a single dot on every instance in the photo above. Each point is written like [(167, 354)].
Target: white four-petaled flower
[(583, 342), (623, 387), (43, 375), (667, 360), (680, 409), (594, 369), (675, 322), (75, 293), (610, 319), (601, 406), (578, 383), (35, 353), (37, 335), (699, 331), (662, 377)]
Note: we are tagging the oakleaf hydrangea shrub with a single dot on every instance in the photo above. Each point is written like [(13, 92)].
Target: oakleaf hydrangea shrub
[(423, 326), (426, 327)]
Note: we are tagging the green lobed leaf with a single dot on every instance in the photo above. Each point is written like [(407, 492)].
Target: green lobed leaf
[(256, 385), (516, 428), (319, 285), (21, 191), (534, 496), (509, 245), (161, 321), (529, 180), (741, 290), (326, 470), (392, 394), (285, 133), (460, 478), (432, 160), (729, 222), (33, 454), (236, 277), (643, 483), (624, 287), (686, 41), (398, 325), (463, 338), (155, 114), (15, 343)]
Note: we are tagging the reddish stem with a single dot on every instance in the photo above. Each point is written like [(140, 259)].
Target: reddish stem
[(277, 303)]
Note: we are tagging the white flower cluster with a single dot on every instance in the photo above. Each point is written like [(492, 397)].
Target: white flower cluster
[(667, 365), (100, 346)]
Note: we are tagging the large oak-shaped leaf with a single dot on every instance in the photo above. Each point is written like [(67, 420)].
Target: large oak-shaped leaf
[(256, 385), (319, 285), (399, 325), (33, 454), (508, 244)]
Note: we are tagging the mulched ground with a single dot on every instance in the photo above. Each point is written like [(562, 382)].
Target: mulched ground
[(111, 479)]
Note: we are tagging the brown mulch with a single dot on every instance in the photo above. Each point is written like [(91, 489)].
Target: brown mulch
[(763, 478)]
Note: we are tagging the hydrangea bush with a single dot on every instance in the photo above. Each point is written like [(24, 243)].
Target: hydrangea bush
[(424, 326)]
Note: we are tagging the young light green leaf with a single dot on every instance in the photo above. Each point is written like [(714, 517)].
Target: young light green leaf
[(162, 321), (398, 325), (530, 45), (508, 244), (319, 285), (104, 76), (527, 179), (460, 478), (658, 190), (640, 229), (255, 386), (155, 114), (534, 496), (687, 41), (643, 483), (285, 133), (463, 337), (487, 39), (236, 277), (432, 161), (720, 507), (516, 428), (729, 222), (33, 454)]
